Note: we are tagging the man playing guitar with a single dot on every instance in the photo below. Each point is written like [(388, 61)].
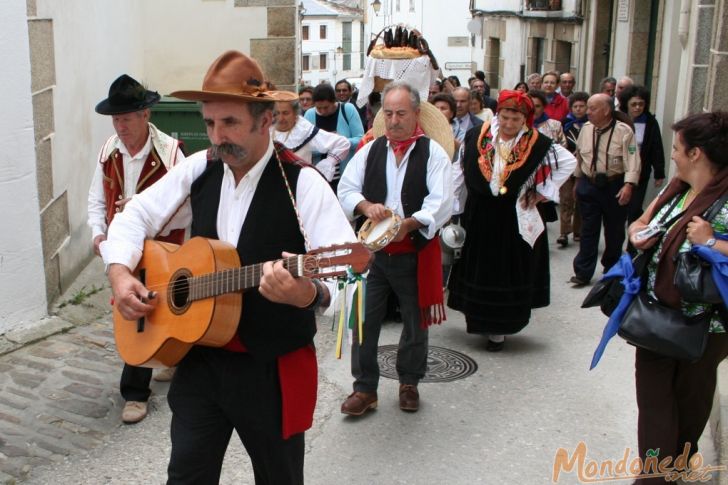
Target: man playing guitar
[(258, 197)]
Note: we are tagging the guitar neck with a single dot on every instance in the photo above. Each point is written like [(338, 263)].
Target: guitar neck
[(236, 279)]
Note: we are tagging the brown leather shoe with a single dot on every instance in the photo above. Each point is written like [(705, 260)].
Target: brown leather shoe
[(409, 398), (133, 412), (359, 403)]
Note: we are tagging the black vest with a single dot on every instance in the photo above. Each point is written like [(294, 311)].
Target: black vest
[(414, 185), (267, 329)]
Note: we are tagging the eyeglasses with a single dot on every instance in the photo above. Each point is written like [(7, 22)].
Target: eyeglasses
[(342, 90)]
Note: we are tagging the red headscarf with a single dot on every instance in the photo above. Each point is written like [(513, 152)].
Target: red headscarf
[(517, 101)]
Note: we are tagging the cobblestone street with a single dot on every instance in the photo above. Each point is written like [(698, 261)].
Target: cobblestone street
[(60, 407)]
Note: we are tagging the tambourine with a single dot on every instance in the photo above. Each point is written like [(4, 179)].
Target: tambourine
[(376, 235)]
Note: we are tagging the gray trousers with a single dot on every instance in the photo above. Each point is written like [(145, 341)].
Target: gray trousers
[(398, 274)]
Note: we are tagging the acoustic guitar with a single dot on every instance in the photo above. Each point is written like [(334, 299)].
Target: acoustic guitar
[(199, 291)]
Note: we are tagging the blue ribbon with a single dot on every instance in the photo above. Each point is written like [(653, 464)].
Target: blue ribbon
[(632, 284), (719, 263)]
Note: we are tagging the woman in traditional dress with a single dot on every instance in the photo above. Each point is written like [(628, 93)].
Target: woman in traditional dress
[(508, 167)]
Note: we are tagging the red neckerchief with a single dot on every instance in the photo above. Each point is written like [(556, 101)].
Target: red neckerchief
[(400, 147)]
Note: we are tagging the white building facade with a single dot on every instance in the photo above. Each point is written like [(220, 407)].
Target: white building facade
[(333, 42), (64, 55)]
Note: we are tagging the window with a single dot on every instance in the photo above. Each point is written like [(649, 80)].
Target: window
[(322, 61), (397, 6), (304, 32), (346, 45), (306, 62), (493, 62), (538, 45), (412, 5), (322, 32)]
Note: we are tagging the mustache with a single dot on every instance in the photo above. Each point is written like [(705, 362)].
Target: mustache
[(216, 151)]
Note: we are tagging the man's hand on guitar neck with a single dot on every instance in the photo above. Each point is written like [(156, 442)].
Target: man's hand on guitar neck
[(130, 295), (278, 285)]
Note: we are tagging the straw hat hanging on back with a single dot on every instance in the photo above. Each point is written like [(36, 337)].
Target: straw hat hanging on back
[(433, 123)]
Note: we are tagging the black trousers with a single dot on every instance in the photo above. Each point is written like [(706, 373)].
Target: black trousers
[(398, 274), (599, 206), (134, 385), (634, 208), (214, 392), (674, 399)]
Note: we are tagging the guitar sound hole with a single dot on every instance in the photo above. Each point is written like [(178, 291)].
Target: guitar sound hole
[(180, 293)]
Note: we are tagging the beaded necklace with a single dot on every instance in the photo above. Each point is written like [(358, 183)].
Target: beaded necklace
[(513, 158)]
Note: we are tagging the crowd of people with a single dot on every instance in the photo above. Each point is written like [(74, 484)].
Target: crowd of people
[(320, 166)]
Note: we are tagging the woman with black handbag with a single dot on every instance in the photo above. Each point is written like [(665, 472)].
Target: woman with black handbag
[(674, 397)]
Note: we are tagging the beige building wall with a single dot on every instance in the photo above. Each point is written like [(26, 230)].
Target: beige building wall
[(22, 292), (187, 35), (64, 57), (90, 51)]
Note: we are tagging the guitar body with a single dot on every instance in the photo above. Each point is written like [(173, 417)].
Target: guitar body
[(166, 334)]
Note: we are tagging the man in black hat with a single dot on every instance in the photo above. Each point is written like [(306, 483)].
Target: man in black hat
[(129, 162)]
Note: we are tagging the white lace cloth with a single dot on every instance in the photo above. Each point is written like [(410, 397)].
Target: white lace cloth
[(417, 72)]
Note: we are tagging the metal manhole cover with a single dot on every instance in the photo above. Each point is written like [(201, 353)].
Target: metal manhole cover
[(443, 365)]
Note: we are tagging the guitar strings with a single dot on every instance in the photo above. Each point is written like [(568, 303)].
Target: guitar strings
[(220, 276)]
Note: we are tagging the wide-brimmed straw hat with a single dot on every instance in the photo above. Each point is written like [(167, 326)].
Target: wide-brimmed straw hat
[(235, 77), (127, 95), (433, 123)]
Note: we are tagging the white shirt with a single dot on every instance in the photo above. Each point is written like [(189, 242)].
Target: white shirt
[(562, 162), (132, 169), (464, 121), (336, 147), (639, 133), (437, 205), (142, 218)]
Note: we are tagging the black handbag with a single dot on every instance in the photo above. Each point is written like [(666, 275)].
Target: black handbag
[(607, 293), (693, 275), (664, 330), (694, 279)]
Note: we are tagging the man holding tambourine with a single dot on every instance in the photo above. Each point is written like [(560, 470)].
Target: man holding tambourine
[(403, 175)]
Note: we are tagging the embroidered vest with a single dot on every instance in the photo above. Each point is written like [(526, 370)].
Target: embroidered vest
[(414, 186), (266, 329), (152, 170)]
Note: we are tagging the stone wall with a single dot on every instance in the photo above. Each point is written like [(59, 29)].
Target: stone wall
[(277, 52), (716, 87), (54, 223)]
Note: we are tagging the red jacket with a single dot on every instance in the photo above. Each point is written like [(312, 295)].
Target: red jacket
[(558, 108)]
